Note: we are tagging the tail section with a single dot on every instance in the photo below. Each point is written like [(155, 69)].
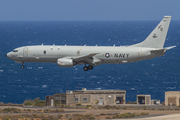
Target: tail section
[(157, 37)]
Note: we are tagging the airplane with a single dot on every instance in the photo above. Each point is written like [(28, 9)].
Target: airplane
[(69, 56)]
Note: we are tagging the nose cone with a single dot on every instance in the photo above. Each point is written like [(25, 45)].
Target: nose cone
[(8, 55)]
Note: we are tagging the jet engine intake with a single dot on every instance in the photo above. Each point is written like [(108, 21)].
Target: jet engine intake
[(65, 62)]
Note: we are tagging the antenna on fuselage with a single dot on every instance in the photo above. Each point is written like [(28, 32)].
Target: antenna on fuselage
[(42, 44), (114, 45)]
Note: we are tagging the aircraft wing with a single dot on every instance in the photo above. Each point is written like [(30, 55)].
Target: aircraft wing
[(85, 57), (90, 59)]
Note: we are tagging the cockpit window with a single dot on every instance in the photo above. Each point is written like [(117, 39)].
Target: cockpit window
[(15, 50)]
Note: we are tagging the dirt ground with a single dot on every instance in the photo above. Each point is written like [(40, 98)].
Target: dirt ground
[(92, 111)]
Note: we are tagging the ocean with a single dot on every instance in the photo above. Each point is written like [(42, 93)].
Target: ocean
[(152, 77)]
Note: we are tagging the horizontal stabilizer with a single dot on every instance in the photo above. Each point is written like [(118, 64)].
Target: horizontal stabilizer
[(160, 52), (168, 48)]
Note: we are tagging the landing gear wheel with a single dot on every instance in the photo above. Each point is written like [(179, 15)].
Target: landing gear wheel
[(90, 67), (85, 68), (74, 62), (22, 66)]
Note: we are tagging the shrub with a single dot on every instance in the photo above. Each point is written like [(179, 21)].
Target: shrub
[(40, 103), (144, 108), (143, 113), (107, 107), (57, 103), (6, 110), (163, 103), (135, 102), (59, 116), (28, 103), (78, 104), (108, 117), (36, 99), (127, 115), (11, 110), (62, 106), (87, 106), (130, 102), (35, 102)]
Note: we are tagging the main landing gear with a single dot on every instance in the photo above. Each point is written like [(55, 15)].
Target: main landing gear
[(86, 68)]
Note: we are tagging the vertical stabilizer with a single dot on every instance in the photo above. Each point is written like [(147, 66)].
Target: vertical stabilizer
[(157, 37)]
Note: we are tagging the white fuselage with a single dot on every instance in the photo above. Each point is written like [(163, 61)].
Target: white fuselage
[(106, 54)]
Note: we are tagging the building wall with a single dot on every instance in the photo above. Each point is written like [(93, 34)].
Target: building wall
[(145, 98), (172, 97), (48, 100), (109, 99), (94, 99), (59, 99), (88, 97), (148, 100), (70, 99)]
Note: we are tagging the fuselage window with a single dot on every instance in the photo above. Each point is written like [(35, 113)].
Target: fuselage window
[(58, 48), (44, 52)]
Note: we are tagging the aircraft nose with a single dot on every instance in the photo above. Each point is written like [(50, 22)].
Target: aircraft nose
[(8, 55)]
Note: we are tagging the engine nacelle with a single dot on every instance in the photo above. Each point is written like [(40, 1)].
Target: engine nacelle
[(65, 62)]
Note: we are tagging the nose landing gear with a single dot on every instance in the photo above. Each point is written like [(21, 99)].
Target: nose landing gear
[(22, 66)]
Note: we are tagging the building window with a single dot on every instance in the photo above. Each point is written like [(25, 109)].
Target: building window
[(63, 98), (56, 98), (76, 99), (44, 52), (85, 99)]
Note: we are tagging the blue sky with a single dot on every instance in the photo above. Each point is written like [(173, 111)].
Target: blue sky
[(88, 10)]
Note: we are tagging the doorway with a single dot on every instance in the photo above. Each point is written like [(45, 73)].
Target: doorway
[(25, 52)]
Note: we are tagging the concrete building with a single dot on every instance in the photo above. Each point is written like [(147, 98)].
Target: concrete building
[(144, 99), (155, 102), (172, 98), (88, 97)]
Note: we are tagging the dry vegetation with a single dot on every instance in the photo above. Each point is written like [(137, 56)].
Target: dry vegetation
[(79, 106), (16, 110), (69, 116)]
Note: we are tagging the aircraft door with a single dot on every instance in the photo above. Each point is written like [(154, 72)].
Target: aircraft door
[(25, 52)]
